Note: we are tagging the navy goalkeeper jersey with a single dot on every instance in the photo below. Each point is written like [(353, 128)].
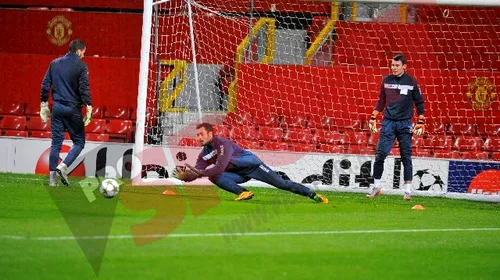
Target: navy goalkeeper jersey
[(397, 96), (225, 155), (69, 78)]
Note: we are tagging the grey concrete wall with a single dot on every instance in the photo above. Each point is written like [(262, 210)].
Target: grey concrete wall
[(209, 92), (290, 46)]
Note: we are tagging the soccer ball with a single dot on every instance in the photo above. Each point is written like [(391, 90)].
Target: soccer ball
[(109, 188)]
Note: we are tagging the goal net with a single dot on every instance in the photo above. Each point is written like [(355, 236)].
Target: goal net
[(296, 81)]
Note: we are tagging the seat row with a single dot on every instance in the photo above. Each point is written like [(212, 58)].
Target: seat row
[(269, 120), (293, 121), (98, 112), (114, 130), (354, 149), (293, 136)]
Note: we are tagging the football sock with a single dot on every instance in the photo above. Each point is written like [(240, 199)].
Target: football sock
[(377, 183), (408, 188)]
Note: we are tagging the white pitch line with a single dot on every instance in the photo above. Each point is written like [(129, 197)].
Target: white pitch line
[(187, 235)]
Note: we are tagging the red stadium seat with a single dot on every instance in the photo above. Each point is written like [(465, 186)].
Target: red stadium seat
[(365, 125), (303, 135), (97, 112), (438, 142), (447, 154), (476, 155), (317, 24), (221, 130), (321, 122), (41, 134), (249, 144), (348, 124), (133, 115), (293, 121), (462, 129), (96, 126), (373, 139), (35, 123), (12, 108), (270, 133), (275, 146), (417, 142), (116, 113), (243, 132), (331, 148), (102, 137), (120, 130), (489, 129), (495, 156), (422, 153), (492, 145), (355, 138), (327, 136), (13, 123), (358, 149), (267, 119), (190, 142), (16, 133), (32, 109), (233, 118), (302, 147), (436, 128), (418, 147), (468, 143)]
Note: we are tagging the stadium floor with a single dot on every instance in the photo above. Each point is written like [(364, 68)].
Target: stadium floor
[(201, 233)]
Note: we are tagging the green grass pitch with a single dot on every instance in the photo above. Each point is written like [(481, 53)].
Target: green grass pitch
[(201, 233)]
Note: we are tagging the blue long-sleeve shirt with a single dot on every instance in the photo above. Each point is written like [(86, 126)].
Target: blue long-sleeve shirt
[(224, 155), (69, 78), (397, 96)]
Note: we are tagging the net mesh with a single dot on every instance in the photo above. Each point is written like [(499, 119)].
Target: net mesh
[(304, 76)]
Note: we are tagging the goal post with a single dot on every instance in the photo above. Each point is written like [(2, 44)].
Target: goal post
[(296, 81), (142, 93)]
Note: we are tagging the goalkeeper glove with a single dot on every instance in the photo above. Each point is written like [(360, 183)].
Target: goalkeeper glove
[(373, 122), (420, 126), (44, 111), (182, 174), (88, 116)]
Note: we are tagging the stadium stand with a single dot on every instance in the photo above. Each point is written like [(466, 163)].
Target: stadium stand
[(275, 111)]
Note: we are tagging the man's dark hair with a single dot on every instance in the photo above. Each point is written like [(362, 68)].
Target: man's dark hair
[(208, 127), (76, 45), (401, 58)]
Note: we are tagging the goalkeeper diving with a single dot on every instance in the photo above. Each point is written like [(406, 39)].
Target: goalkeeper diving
[(233, 165)]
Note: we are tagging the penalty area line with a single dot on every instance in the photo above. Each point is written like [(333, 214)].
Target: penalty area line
[(283, 233)]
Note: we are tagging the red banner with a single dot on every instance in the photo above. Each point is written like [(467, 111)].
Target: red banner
[(50, 32), (112, 81), (115, 4)]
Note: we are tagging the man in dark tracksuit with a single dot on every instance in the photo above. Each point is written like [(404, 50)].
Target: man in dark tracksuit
[(68, 78), (233, 165), (398, 92)]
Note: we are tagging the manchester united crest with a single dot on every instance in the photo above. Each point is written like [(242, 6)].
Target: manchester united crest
[(481, 92), (59, 30)]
